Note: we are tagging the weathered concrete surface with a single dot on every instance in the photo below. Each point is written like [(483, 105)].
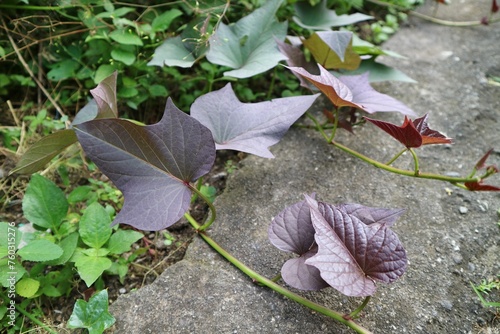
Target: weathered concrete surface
[(447, 249)]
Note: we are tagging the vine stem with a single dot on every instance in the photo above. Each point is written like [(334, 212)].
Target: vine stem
[(261, 280), (378, 164), (213, 213), (28, 315)]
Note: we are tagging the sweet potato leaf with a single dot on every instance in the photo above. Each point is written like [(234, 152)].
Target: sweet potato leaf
[(152, 165), (173, 52), (371, 100), (296, 273), (319, 17), (40, 153), (291, 230), (296, 58), (412, 133), (480, 186), (370, 215), (105, 96), (249, 45), (246, 127), (352, 255), (333, 49), (352, 91)]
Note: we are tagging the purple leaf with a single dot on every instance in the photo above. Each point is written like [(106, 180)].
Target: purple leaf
[(296, 273), (372, 215), (105, 96), (152, 165), (291, 230), (246, 127), (371, 100), (352, 91), (352, 255)]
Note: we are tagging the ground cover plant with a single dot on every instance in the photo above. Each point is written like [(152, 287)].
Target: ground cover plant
[(159, 168)]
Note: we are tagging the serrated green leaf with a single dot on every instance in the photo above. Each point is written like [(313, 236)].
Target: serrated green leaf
[(126, 57), (11, 271), (27, 287), (95, 226), (51, 291), (11, 236), (93, 314), (44, 204), (259, 32), (121, 241), (40, 250), (80, 194), (68, 245), (125, 37), (40, 153), (90, 268), (163, 21)]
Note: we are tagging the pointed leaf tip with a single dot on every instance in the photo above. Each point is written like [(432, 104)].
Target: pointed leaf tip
[(248, 127), (151, 165)]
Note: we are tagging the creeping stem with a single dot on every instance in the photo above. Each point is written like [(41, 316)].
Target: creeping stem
[(213, 214), (272, 285)]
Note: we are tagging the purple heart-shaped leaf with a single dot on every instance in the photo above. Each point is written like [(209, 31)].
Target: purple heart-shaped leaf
[(296, 273), (373, 215), (152, 165), (352, 255)]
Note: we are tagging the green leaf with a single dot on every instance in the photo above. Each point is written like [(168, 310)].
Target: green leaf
[(11, 236), (103, 72), (162, 22), (40, 153), (126, 37), (63, 70), (90, 268), (209, 191), (95, 252), (40, 250), (93, 314), (158, 90), (258, 33), (95, 226), (80, 194), (173, 52), (333, 49), (121, 241), (126, 57), (7, 267), (27, 287), (50, 291), (68, 245), (319, 17), (44, 204)]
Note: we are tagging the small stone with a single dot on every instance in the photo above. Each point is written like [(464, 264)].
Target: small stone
[(463, 210), (447, 305), (122, 291)]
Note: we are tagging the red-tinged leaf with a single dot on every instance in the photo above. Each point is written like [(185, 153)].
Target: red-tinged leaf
[(482, 162), (480, 186), (353, 91), (296, 58), (346, 119), (38, 155), (248, 127), (406, 134), (152, 165), (352, 255), (334, 89), (429, 136), (412, 133), (371, 100), (494, 6)]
